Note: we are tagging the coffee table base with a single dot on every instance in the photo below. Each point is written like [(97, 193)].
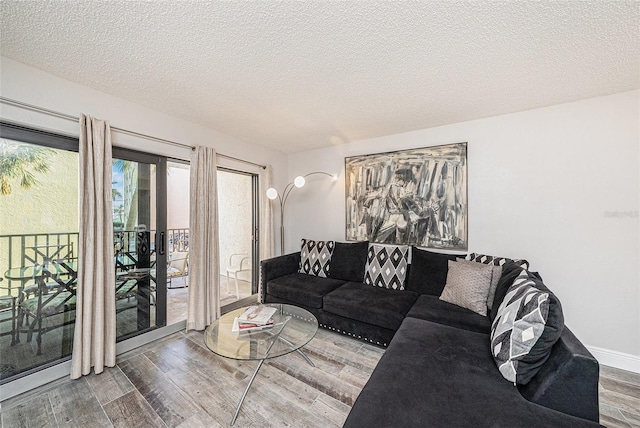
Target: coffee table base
[(253, 376)]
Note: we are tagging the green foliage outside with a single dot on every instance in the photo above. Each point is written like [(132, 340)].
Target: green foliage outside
[(19, 162), (39, 190)]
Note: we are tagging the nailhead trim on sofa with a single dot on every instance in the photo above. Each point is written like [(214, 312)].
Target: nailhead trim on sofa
[(346, 333)]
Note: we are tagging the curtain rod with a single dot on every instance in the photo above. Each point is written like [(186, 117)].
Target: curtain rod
[(54, 113)]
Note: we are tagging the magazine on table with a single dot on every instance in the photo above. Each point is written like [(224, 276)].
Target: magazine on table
[(247, 326), (246, 329), (259, 315)]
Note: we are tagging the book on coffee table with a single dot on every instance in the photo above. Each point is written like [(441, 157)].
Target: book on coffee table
[(239, 326), (259, 315)]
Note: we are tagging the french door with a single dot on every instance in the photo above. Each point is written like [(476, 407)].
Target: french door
[(139, 228)]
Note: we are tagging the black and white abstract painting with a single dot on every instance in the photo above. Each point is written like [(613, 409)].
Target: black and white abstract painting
[(416, 197)]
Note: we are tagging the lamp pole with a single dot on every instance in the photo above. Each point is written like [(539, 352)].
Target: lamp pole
[(298, 182)]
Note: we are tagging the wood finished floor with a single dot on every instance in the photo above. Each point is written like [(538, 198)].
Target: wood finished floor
[(177, 382), (619, 398), (57, 342)]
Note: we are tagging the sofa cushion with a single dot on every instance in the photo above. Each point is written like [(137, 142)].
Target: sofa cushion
[(374, 305), (387, 266), (510, 272), (305, 290), (428, 272), (468, 286), (348, 261), (431, 308), (62, 302), (315, 257), (440, 376), (519, 326)]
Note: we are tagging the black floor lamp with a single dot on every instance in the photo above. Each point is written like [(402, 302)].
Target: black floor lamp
[(298, 182)]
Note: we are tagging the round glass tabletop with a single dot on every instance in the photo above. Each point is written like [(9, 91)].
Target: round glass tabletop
[(39, 270), (293, 328)]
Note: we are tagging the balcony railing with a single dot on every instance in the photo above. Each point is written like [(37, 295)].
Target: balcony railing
[(35, 248), (29, 249)]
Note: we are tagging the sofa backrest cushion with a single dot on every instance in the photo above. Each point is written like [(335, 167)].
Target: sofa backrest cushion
[(510, 272), (348, 261), (428, 273), (553, 329)]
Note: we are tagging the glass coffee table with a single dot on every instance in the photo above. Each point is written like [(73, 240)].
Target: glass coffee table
[(293, 328)]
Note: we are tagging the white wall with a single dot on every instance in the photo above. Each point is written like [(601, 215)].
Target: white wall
[(542, 185)]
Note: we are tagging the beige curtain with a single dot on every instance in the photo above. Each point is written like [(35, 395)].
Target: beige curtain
[(267, 243), (94, 340), (204, 266)]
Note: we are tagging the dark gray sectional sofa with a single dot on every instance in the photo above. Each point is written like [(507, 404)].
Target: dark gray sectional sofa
[(438, 369)]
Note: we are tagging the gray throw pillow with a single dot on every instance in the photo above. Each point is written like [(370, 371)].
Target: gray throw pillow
[(495, 277), (468, 286)]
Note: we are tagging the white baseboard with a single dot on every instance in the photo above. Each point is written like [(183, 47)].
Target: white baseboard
[(616, 359)]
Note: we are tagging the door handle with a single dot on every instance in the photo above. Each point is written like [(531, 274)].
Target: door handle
[(162, 243)]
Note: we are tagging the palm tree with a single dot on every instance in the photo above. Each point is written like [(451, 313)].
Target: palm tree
[(115, 193), (19, 161), (130, 199), (118, 208)]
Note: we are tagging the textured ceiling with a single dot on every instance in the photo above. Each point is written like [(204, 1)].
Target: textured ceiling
[(301, 75)]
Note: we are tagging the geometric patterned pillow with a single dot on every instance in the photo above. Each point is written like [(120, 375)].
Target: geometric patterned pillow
[(387, 266), (497, 261), (315, 257), (520, 322)]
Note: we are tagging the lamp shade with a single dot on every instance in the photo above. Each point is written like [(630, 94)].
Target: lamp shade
[(299, 181), (272, 193)]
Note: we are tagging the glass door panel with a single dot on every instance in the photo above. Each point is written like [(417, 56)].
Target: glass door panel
[(139, 228), (238, 226), (177, 240), (38, 249)]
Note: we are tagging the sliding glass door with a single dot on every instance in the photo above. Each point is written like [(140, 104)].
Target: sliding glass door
[(139, 228), (38, 249), (39, 246)]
